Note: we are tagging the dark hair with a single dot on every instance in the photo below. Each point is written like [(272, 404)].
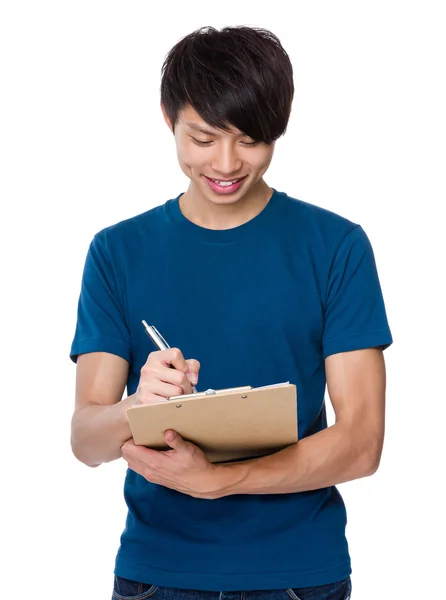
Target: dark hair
[(239, 76)]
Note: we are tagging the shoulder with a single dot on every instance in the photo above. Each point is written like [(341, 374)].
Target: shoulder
[(315, 224), (307, 214), (129, 231)]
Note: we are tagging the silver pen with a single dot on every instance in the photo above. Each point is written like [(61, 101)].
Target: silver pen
[(159, 342)]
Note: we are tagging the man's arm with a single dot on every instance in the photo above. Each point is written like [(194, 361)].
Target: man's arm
[(349, 449), (99, 426)]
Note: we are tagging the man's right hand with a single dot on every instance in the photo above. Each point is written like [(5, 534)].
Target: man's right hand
[(100, 425), (159, 381)]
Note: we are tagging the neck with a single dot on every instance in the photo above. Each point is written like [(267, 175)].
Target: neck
[(198, 209)]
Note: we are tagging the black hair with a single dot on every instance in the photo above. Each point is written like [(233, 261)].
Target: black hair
[(240, 76)]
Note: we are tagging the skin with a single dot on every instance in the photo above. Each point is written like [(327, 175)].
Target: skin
[(351, 448), (226, 156)]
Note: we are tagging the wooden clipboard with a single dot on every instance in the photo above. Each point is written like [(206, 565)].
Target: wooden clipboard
[(226, 424)]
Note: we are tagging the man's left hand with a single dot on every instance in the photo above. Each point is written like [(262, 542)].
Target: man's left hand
[(185, 468)]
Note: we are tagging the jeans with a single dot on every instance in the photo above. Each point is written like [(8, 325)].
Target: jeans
[(124, 589)]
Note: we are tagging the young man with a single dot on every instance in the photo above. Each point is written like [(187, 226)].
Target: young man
[(252, 287)]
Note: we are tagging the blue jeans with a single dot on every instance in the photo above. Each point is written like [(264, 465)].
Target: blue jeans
[(124, 589)]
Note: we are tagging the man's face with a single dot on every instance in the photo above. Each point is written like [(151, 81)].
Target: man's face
[(207, 156)]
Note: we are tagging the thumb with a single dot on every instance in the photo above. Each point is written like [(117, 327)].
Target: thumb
[(174, 439)]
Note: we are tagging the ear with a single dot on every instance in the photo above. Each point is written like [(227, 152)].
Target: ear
[(166, 118)]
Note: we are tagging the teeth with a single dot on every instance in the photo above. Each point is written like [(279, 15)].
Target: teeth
[(225, 183)]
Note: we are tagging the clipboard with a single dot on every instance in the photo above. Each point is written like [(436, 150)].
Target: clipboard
[(227, 424)]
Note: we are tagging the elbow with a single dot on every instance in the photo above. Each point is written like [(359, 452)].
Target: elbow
[(371, 467), (372, 459), (79, 444), (78, 451)]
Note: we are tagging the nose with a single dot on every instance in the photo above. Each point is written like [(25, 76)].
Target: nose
[(226, 161)]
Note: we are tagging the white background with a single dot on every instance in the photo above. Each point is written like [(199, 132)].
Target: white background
[(83, 145)]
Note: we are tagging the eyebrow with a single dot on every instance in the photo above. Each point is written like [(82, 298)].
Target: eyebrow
[(202, 129)]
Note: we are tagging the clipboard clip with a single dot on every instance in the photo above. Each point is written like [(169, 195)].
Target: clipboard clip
[(211, 392)]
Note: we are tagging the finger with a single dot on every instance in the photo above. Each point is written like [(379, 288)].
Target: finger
[(154, 372), (126, 447), (194, 369), (174, 377), (174, 357), (139, 455), (157, 391)]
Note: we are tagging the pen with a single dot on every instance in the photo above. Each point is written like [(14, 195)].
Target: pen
[(159, 342)]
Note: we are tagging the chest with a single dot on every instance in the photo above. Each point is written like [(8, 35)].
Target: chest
[(238, 303)]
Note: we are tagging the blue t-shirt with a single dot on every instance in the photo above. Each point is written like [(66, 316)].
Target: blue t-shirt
[(261, 303)]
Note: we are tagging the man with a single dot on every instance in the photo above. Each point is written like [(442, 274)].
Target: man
[(252, 287)]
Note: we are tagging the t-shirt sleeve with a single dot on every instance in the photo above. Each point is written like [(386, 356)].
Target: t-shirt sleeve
[(101, 322), (355, 315)]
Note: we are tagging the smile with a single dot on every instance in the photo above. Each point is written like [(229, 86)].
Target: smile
[(224, 187)]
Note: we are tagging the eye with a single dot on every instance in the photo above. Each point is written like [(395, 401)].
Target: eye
[(201, 143), (250, 143)]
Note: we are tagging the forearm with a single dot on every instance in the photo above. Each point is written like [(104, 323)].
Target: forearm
[(335, 455), (99, 431)]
